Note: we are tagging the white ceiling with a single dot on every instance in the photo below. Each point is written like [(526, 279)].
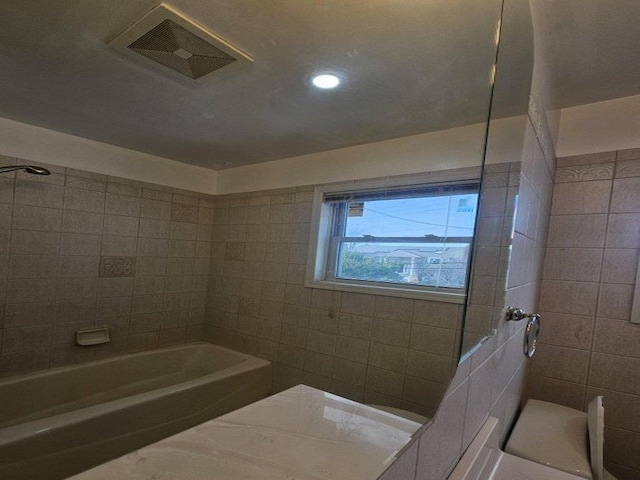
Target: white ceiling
[(595, 48), (409, 66)]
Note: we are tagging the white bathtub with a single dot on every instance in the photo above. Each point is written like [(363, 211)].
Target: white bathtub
[(60, 422)]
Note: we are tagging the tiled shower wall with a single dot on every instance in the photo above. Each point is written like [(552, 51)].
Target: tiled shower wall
[(81, 250), (588, 347), (377, 349), (492, 250), (493, 379)]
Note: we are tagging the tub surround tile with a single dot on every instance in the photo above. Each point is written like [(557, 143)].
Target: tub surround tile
[(66, 234)]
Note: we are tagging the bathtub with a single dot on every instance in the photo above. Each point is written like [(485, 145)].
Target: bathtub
[(62, 421)]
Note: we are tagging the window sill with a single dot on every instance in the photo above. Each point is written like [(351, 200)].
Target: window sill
[(390, 291)]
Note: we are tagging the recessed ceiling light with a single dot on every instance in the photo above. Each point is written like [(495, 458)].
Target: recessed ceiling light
[(326, 81)]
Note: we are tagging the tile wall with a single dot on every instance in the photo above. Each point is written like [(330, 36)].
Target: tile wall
[(588, 347), (81, 250), (492, 381), (492, 251), (376, 349)]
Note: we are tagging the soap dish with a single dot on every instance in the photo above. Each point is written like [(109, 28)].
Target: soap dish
[(92, 336)]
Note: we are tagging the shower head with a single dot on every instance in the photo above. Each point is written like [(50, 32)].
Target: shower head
[(32, 169), (35, 170)]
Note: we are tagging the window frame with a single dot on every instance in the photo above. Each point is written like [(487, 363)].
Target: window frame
[(321, 237)]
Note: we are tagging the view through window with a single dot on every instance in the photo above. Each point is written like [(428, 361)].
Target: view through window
[(417, 236)]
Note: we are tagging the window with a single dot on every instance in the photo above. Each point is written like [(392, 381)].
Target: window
[(411, 240)]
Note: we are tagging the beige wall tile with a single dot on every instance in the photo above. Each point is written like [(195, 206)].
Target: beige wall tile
[(566, 330), (585, 231), (557, 391), (619, 266), (625, 197), (615, 301), (77, 266), (121, 225), (441, 445), (318, 363), (352, 349), (321, 342), (581, 264), (440, 341), (33, 266), (24, 242), (24, 290), (38, 194), (350, 372), (390, 332), (579, 298), (581, 197), (36, 218), (119, 246), (613, 372), (357, 303), (480, 393), (29, 314), (623, 231), (82, 222), (561, 363), (393, 308), (84, 200), (429, 366), (23, 361), (25, 338), (622, 447), (388, 357), (438, 314), (617, 337), (385, 382), (96, 184), (356, 326), (80, 244)]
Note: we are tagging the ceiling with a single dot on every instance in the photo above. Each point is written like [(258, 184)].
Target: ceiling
[(58, 72), (408, 67), (594, 46)]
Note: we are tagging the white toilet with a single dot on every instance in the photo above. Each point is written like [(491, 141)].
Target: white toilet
[(562, 438), (596, 439)]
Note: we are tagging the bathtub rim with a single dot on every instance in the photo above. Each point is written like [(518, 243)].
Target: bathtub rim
[(25, 431)]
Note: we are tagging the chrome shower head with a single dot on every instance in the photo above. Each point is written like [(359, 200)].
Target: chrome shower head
[(32, 169), (35, 170)]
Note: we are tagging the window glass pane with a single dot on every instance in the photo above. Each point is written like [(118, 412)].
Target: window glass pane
[(419, 241)]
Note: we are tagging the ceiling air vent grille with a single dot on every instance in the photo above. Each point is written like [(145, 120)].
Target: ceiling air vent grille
[(166, 40), (180, 50)]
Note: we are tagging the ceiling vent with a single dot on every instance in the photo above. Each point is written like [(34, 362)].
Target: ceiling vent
[(170, 43)]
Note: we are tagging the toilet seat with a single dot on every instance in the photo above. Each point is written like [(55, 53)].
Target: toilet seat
[(563, 438), (595, 424)]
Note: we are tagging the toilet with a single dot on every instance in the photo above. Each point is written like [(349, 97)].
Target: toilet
[(562, 438)]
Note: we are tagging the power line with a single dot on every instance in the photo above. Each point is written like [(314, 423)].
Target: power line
[(416, 221)]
